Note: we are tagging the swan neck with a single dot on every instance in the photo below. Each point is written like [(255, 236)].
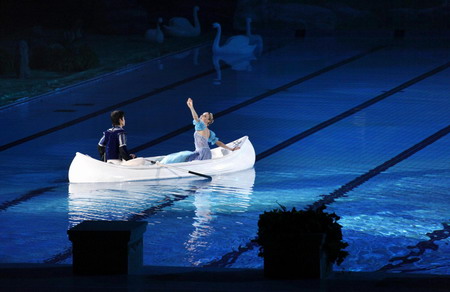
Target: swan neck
[(217, 38), (196, 22), (248, 28)]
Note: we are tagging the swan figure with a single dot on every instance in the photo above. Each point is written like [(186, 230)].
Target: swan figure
[(255, 39), (155, 35), (239, 44), (181, 27)]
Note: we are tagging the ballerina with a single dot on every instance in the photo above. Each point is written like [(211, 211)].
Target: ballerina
[(202, 136)]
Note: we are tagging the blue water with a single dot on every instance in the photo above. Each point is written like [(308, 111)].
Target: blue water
[(394, 220)]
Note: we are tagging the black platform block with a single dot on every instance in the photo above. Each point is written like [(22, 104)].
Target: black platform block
[(107, 247)]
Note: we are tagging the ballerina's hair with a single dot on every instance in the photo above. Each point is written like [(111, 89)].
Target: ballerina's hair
[(211, 118)]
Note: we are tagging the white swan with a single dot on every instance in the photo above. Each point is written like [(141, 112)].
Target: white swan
[(255, 39), (155, 35), (181, 27), (239, 44)]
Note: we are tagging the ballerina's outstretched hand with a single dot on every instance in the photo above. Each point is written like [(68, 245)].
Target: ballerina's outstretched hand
[(190, 104)]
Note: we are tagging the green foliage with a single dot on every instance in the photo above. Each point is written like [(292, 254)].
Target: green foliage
[(6, 62), (281, 228), (70, 58)]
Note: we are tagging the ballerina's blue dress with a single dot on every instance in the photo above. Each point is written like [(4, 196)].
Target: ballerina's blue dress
[(202, 150)]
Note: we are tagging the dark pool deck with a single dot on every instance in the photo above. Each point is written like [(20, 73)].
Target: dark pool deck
[(40, 277)]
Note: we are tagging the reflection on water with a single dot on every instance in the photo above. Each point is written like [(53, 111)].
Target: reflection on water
[(236, 62), (200, 200), (229, 194), (203, 215), (125, 200), (133, 201), (195, 52)]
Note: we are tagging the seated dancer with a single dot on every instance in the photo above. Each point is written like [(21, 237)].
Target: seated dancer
[(112, 147), (202, 136)]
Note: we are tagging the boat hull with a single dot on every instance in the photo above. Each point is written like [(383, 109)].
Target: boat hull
[(85, 169)]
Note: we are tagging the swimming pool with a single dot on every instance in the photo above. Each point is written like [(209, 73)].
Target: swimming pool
[(357, 124)]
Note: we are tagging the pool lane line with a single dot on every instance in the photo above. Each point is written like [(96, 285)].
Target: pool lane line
[(349, 112), (118, 105), (419, 249), (259, 97), (340, 192), (67, 253), (27, 196), (167, 202), (231, 257)]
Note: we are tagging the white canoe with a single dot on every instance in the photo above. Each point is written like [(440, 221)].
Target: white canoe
[(85, 169)]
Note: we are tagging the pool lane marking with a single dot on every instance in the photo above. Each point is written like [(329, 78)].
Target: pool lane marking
[(231, 257), (340, 192), (118, 105), (419, 249), (27, 196), (259, 97), (348, 113), (67, 253)]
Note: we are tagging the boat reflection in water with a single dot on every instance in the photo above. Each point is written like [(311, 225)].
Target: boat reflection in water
[(126, 201), (132, 201)]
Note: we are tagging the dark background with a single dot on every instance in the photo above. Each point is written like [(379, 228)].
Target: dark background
[(20, 14)]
